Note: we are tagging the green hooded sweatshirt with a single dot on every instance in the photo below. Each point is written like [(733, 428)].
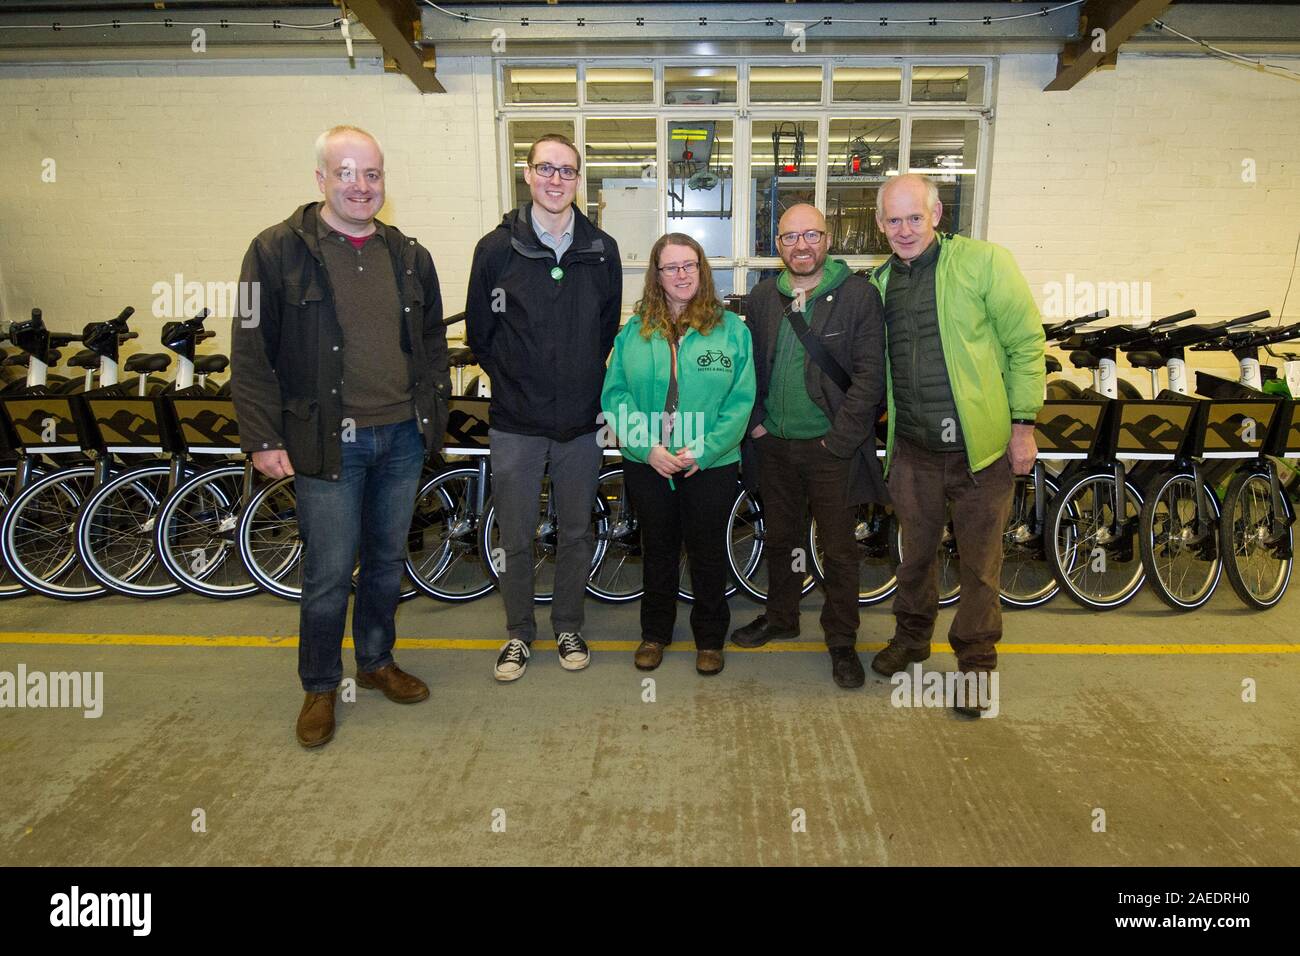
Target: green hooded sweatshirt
[(791, 412)]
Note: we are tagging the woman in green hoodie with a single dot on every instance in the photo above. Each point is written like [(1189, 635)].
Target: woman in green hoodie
[(677, 396)]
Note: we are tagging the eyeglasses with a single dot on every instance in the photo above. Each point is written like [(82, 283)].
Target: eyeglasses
[(546, 171), (812, 237), (686, 268)]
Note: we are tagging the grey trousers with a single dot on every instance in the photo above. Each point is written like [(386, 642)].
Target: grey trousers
[(518, 464)]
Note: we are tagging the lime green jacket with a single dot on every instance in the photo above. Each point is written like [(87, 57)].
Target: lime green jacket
[(715, 390), (993, 344)]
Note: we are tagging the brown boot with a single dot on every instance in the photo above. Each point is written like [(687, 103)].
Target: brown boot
[(648, 656), (708, 663), (397, 685), (316, 720)]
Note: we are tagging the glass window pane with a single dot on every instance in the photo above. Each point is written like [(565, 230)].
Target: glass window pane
[(699, 85), (947, 84), (622, 197), (755, 276), (785, 84), (863, 152), (620, 84), (724, 280), (871, 84), (784, 172), (633, 288), (523, 133), (947, 152), (700, 176), (541, 84)]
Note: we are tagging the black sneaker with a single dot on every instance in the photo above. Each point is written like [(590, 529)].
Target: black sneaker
[(758, 632), (846, 667), (894, 657), (513, 660), (574, 655)]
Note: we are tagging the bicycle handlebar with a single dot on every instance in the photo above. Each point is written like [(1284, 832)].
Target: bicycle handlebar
[(1069, 325)]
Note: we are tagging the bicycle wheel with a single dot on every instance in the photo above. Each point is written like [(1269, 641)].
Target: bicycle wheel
[(545, 539), (949, 563), (619, 574), (1255, 541), (38, 535), (194, 536), (1027, 579), (115, 533), (269, 542), (443, 557), (1095, 559), (10, 586), (746, 551), (877, 572), (1180, 544)]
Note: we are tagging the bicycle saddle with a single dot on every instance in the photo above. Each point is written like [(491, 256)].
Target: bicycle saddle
[(461, 357), (1081, 359), (84, 359), (211, 364), (1149, 360), (147, 362)]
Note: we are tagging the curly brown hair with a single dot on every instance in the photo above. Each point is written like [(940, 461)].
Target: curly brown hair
[(703, 313)]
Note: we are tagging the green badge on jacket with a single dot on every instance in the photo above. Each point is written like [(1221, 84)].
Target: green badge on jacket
[(557, 273)]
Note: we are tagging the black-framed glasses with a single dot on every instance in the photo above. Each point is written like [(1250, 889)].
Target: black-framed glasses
[(686, 268), (811, 236), (546, 171)]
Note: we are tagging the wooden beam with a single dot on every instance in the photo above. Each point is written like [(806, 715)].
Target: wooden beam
[(396, 25), (1119, 20)]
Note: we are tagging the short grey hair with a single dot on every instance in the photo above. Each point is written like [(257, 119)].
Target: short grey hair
[(931, 192), (323, 140)]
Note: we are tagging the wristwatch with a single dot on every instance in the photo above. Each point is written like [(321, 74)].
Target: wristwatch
[(1023, 421)]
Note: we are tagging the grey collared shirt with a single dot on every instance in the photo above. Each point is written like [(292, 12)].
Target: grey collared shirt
[(560, 244)]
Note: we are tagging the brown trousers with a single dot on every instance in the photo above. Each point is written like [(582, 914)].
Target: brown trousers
[(921, 483)]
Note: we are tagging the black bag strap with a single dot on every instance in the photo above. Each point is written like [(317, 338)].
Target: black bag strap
[(816, 351)]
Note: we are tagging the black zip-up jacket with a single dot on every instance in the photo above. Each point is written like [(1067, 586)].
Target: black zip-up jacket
[(287, 360), (849, 321), (542, 340)]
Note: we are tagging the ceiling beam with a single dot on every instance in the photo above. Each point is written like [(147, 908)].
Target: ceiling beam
[(1117, 20), (396, 24)]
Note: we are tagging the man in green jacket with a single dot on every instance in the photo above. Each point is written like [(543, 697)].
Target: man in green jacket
[(965, 383)]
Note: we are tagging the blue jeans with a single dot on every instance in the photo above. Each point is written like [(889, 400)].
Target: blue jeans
[(366, 512)]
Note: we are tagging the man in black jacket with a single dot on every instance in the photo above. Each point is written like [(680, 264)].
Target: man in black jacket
[(541, 313), (819, 357), (339, 377)]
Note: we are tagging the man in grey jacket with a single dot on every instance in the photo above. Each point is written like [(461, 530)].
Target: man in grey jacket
[(339, 376)]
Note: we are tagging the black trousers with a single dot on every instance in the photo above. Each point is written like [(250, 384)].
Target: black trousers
[(695, 514)]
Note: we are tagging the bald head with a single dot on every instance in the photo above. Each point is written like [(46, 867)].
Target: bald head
[(908, 210), (802, 258)]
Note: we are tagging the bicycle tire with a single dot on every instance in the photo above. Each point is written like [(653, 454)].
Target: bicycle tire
[(1258, 567), (194, 536), (443, 556), (37, 535), (115, 533), (1084, 534), (1167, 537)]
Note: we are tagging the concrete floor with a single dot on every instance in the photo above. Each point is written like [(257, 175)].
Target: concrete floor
[(712, 772)]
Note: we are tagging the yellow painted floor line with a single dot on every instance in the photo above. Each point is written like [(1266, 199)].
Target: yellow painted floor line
[(257, 640)]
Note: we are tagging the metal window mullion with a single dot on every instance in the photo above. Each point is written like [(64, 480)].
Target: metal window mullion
[(823, 161), (741, 180)]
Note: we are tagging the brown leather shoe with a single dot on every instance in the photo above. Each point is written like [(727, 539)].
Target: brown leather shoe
[(397, 685), (649, 656), (316, 720), (708, 663)]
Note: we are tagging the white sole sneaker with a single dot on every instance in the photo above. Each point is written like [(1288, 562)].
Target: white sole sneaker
[(520, 657)]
